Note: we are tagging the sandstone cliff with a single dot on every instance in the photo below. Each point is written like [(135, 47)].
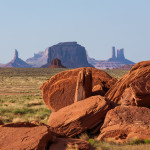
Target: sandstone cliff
[(16, 62), (71, 54)]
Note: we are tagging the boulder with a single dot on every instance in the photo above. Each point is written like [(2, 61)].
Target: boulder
[(79, 117), (123, 124), (134, 87), (27, 136), (59, 91), (56, 63), (64, 143)]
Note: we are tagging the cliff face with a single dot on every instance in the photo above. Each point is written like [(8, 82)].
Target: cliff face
[(71, 54), (16, 62), (38, 59)]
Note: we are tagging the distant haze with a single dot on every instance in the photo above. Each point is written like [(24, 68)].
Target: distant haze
[(31, 26)]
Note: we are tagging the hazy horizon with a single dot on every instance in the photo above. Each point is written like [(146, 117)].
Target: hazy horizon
[(32, 26)]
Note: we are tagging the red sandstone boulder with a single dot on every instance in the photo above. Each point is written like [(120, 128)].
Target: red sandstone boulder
[(63, 143), (134, 87), (79, 117), (19, 136), (123, 124), (59, 91)]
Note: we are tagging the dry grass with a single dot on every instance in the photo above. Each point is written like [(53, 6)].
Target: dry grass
[(21, 100), (20, 94), (99, 145)]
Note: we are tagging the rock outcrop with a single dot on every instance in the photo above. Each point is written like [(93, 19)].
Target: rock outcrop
[(79, 117), (84, 85), (24, 136), (56, 63), (59, 91), (38, 59), (134, 87), (16, 63), (70, 143), (124, 124), (71, 54)]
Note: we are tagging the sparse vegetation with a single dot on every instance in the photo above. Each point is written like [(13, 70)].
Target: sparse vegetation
[(136, 144), (21, 100), (117, 73), (20, 94)]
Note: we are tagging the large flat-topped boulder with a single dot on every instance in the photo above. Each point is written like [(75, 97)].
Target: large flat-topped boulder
[(123, 124), (134, 87), (71, 54), (26, 136), (79, 117), (59, 91)]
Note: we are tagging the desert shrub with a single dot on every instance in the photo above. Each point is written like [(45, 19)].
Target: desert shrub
[(4, 110), (146, 141), (12, 101), (22, 111), (92, 141), (136, 141)]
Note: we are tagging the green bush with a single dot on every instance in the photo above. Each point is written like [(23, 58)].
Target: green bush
[(92, 141), (136, 141), (12, 101), (146, 141)]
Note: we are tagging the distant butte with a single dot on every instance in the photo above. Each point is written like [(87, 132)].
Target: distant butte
[(16, 62), (56, 63), (113, 62), (71, 54)]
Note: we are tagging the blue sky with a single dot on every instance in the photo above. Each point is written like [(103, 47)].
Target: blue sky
[(33, 25)]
